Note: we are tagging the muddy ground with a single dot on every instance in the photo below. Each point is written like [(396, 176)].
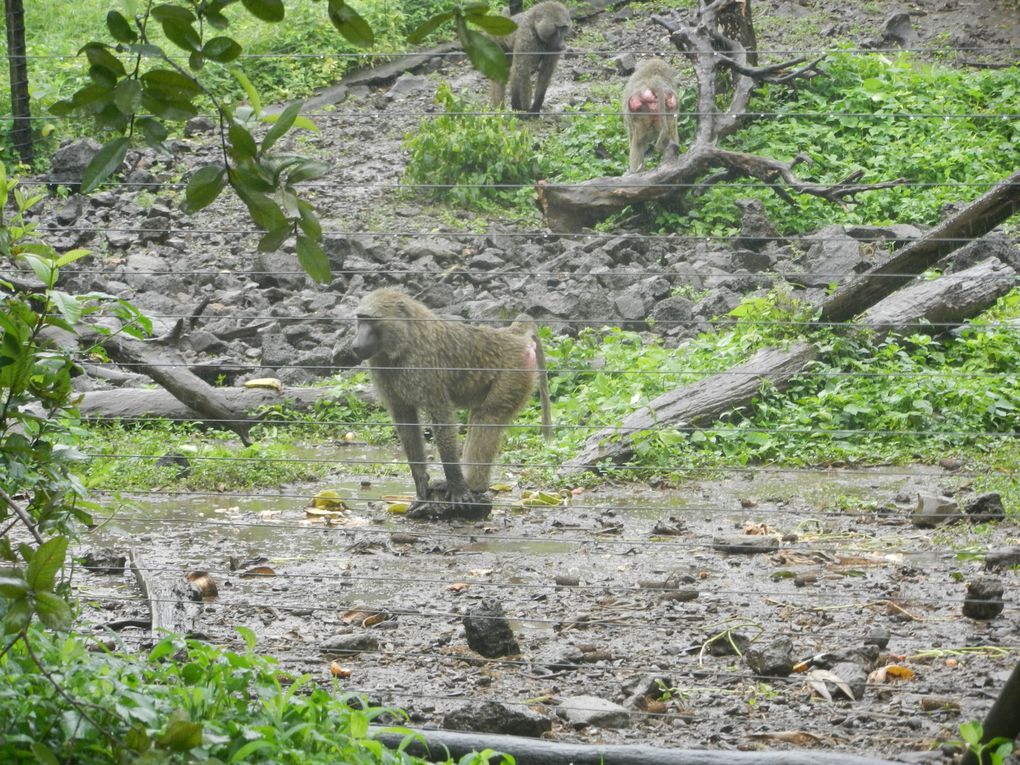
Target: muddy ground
[(623, 587), (615, 593)]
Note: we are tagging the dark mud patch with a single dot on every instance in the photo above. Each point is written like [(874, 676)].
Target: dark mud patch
[(622, 595)]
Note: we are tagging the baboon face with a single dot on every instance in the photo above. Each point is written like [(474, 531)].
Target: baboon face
[(552, 29), (368, 338)]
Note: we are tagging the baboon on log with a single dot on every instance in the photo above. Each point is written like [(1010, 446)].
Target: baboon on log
[(649, 112), (534, 49), (420, 362)]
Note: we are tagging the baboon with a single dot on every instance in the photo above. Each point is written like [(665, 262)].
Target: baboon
[(534, 49), (649, 112), (421, 362)]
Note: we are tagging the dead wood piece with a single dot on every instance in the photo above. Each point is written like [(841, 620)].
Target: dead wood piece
[(973, 221), (455, 744), (184, 385), (948, 300), (695, 404), (142, 403), (167, 593)]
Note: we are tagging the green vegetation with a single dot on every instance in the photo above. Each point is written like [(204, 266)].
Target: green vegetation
[(472, 159), (184, 702)]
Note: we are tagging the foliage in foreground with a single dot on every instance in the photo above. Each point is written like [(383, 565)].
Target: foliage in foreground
[(186, 702)]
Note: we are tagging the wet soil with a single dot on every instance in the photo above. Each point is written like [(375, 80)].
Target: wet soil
[(621, 587)]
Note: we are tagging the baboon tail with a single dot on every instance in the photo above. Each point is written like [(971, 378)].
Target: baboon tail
[(524, 324)]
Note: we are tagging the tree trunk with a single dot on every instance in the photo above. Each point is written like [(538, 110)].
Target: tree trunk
[(21, 131)]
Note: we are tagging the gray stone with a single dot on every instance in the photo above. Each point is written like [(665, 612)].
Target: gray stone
[(143, 269), (854, 675), (625, 64), (831, 255), (407, 83), (746, 544), (985, 507), (200, 125), (70, 211), (344, 645), (672, 316), (488, 631), (594, 711), (772, 660), (69, 162), (933, 510), (493, 717), (277, 269), (204, 342), (984, 598)]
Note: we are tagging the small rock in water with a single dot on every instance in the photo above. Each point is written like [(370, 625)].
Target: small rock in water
[(933, 510)]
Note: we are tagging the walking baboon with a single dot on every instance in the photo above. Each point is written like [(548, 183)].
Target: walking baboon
[(534, 48), (649, 112), (421, 362)]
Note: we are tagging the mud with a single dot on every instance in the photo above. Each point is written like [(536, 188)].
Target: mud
[(619, 589)]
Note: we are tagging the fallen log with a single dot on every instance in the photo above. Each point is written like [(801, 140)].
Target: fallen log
[(456, 744), (972, 222), (183, 384), (168, 595), (155, 403), (946, 301), (695, 404)]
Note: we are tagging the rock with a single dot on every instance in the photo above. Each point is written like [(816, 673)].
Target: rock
[(1004, 558), (493, 717), (69, 162), (831, 255), (772, 660), (344, 645), (639, 691), (594, 711), (201, 341), (70, 211), (745, 544), (878, 637), (897, 32), (624, 64), (559, 658), (896, 234), (144, 270), (984, 598), (730, 644), (854, 675), (407, 83), (199, 125), (277, 269), (488, 631), (933, 510), (756, 230), (864, 655), (104, 563), (985, 507), (671, 316)]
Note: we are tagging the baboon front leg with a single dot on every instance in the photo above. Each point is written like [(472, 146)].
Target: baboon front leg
[(409, 430), (520, 84), (546, 67)]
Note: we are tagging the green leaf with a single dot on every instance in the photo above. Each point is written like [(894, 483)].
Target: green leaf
[(46, 562), (249, 90), (429, 26), (273, 240), (43, 271), (171, 83), (164, 647), (266, 10), (167, 12), (242, 142), (68, 305), (263, 210), (307, 170), (128, 95), (120, 28), (248, 635), (485, 55), (350, 24), (250, 748), (99, 55), (12, 587), (181, 735), (169, 108), (104, 164), (313, 259), (53, 610), (43, 754), (309, 221), (972, 732), (494, 25), (182, 34), (18, 616), (152, 131), (70, 257), (282, 124), (221, 49), (204, 186)]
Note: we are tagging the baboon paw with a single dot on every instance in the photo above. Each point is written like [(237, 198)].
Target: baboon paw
[(426, 509), (471, 506)]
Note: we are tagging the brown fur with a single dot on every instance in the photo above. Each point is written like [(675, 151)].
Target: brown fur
[(649, 112), (534, 49), (420, 362)]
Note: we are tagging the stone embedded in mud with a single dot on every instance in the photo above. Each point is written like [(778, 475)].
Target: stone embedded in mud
[(772, 660), (854, 675), (343, 645), (584, 711), (984, 598), (933, 510), (488, 631), (985, 507), (1003, 558), (865, 655), (878, 637), (493, 717), (746, 544)]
